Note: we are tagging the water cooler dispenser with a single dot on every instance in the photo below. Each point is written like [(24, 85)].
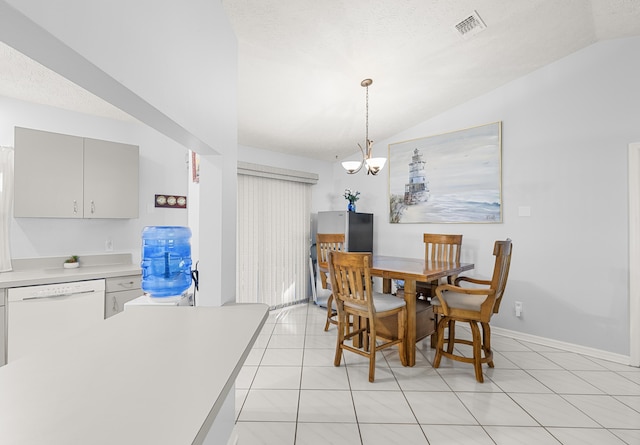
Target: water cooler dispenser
[(166, 266)]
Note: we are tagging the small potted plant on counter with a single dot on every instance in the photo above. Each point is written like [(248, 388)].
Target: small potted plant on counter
[(72, 262)]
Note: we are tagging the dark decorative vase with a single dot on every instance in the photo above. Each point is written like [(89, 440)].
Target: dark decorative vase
[(351, 207)]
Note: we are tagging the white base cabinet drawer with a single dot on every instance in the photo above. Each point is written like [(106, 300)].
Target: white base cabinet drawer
[(119, 290), (119, 284)]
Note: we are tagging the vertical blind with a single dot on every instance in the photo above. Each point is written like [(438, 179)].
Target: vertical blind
[(273, 236)]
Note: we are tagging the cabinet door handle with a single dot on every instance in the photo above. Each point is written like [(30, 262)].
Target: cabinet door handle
[(75, 207), (93, 207), (128, 285)]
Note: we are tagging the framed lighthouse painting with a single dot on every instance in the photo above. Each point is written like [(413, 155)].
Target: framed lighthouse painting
[(448, 178)]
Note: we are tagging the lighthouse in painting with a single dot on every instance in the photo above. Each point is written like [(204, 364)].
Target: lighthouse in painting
[(417, 190)]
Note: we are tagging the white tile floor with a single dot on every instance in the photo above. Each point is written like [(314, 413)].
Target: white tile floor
[(289, 392)]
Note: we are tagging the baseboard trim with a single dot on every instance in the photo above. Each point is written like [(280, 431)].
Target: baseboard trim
[(591, 352), (290, 303)]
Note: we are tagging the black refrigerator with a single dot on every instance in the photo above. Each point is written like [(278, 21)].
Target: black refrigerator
[(357, 227)]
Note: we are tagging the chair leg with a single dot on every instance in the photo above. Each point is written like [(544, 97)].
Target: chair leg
[(372, 355), (440, 345), (340, 337), (477, 351), (452, 336), (434, 336), (329, 312), (486, 344), (402, 346), (366, 340)]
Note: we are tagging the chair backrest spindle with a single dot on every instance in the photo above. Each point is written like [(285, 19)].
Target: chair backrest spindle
[(439, 247)]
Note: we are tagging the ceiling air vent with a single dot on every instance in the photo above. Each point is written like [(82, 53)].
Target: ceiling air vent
[(470, 26)]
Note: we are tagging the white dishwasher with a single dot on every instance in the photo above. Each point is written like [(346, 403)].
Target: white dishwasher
[(38, 316)]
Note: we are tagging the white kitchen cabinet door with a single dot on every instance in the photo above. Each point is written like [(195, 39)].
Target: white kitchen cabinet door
[(114, 301), (120, 290), (110, 179), (48, 174)]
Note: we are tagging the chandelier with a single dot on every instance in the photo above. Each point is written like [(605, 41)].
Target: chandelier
[(374, 165)]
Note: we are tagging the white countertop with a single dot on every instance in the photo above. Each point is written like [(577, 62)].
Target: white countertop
[(150, 375), (31, 272)]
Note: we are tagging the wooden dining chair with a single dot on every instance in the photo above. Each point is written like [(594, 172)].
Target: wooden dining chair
[(325, 244), (475, 305), (350, 274), (439, 247)]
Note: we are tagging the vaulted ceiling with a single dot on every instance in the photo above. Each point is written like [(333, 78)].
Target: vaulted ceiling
[(301, 63)]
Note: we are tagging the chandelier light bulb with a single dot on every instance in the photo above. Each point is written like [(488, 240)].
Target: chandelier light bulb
[(352, 166), (374, 165)]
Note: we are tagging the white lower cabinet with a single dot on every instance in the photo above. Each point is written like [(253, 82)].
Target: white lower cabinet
[(119, 290), (43, 315)]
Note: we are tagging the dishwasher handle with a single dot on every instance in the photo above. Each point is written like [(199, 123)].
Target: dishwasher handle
[(41, 297)]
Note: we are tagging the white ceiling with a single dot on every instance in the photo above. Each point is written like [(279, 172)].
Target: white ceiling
[(22, 78), (301, 63)]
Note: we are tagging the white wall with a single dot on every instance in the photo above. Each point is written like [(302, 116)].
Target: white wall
[(566, 130), (172, 65), (163, 169)]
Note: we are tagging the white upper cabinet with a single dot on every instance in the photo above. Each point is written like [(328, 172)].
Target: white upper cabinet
[(62, 176), (48, 174), (110, 179)]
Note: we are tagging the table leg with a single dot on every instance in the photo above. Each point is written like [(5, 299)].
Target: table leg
[(410, 299)]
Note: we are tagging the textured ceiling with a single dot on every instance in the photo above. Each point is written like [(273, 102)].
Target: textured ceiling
[(22, 78), (301, 63)]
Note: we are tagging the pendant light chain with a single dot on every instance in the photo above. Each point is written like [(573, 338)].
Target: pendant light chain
[(367, 119)]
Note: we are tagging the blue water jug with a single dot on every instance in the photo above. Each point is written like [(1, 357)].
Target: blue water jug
[(166, 260)]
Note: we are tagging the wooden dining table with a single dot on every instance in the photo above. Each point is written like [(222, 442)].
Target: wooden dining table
[(412, 270)]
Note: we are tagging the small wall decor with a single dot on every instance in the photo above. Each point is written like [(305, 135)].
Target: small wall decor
[(449, 178), (171, 201), (195, 167)]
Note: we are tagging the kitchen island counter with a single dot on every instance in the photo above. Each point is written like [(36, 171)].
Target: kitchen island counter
[(152, 375)]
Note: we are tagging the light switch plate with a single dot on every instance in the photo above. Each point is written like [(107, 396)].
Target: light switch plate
[(524, 211)]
